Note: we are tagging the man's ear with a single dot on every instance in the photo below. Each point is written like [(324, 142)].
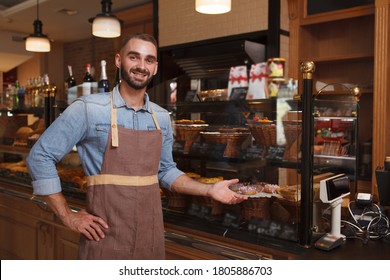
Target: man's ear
[(155, 70), (118, 60)]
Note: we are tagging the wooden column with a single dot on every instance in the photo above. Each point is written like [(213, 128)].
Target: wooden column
[(293, 14), (381, 99)]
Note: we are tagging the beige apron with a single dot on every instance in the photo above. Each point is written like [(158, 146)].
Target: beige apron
[(126, 195)]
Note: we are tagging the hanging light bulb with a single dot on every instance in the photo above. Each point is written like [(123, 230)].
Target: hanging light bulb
[(213, 6), (105, 24), (37, 42)]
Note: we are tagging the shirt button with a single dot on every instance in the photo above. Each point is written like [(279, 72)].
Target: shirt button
[(113, 126)]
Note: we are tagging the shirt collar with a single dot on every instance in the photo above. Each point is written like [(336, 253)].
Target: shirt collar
[(119, 102)]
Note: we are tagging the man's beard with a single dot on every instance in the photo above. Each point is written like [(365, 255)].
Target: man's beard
[(134, 83)]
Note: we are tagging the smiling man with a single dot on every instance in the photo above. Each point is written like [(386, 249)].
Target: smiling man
[(125, 145)]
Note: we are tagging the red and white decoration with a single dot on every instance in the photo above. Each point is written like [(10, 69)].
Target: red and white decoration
[(258, 82), (238, 77)]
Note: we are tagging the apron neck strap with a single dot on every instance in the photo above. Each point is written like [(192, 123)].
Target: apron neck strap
[(155, 121), (114, 123), (114, 126)]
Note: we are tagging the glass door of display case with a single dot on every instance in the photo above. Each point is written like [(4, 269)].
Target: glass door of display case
[(218, 137), (335, 150)]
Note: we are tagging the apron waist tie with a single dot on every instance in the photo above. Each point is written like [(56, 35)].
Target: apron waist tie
[(109, 179)]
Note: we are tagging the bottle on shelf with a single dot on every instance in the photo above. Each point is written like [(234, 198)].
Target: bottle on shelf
[(21, 93), (52, 102), (49, 92), (103, 84), (15, 97), (36, 95), (46, 93), (9, 92), (27, 94), (70, 86), (87, 80), (70, 80)]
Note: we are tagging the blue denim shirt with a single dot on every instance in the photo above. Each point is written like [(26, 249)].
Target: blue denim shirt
[(86, 124)]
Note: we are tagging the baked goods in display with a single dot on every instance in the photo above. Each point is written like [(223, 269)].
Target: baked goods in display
[(290, 193), (258, 189), (187, 122), (188, 131), (236, 187), (193, 175), (211, 180), (248, 190), (67, 175), (244, 189), (13, 168), (271, 188), (22, 135), (233, 140)]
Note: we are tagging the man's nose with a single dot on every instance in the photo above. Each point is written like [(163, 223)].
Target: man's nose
[(141, 63)]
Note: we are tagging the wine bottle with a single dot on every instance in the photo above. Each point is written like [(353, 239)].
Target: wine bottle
[(103, 84), (70, 86), (87, 81), (70, 81), (46, 93), (88, 77)]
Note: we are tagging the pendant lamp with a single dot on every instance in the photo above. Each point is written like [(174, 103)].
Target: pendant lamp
[(213, 6), (37, 42), (106, 25)]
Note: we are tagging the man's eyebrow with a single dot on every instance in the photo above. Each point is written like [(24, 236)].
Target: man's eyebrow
[(137, 53)]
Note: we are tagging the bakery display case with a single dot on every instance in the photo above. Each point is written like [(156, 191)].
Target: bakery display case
[(336, 113), (279, 157), (258, 141)]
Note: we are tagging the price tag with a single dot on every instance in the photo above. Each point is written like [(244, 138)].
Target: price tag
[(178, 147), (200, 211), (231, 219), (254, 153), (276, 153), (238, 93), (207, 150), (272, 228)]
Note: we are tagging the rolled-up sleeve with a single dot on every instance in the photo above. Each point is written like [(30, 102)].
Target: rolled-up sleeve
[(57, 140), (168, 171)]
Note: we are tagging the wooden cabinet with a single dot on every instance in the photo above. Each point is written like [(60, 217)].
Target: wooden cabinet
[(349, 46), (29, 231)]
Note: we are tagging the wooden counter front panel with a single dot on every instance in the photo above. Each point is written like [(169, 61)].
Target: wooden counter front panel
[(29, 232)]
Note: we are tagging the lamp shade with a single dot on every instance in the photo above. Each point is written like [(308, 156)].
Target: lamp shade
[(106, 27), (37, 44), (213, 6)]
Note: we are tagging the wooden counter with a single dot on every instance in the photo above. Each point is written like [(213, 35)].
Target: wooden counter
[(30, 231)]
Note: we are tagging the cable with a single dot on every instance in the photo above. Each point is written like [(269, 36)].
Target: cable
[(378, 225)]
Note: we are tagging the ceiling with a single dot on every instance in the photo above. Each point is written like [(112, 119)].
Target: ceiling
[(63, 20)]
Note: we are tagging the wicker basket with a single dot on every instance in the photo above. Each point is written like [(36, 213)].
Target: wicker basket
[(233, 141), (264, 134), (293, 132), (216, 207), (256, 207), (177, 200), (188, 134)]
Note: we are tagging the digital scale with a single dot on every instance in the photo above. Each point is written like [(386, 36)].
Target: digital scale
[(332, 191)]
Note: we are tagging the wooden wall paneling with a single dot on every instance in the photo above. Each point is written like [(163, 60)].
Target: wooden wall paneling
[(381, 123)]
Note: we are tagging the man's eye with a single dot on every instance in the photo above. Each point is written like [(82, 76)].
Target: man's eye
[(133, 57), (150, 61)]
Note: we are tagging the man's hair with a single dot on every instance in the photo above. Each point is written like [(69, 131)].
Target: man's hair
[(141, 36)]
